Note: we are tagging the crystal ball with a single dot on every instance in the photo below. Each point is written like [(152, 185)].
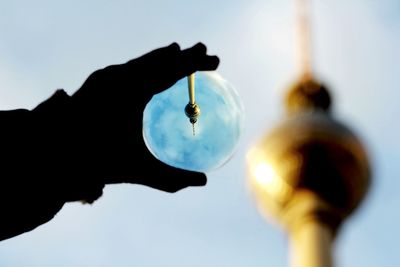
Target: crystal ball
[(204, 145)]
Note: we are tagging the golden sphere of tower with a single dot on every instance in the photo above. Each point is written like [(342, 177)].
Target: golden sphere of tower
[(310, 166), (192, 111)]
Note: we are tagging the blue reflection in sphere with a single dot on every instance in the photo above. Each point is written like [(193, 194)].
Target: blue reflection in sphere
[(168, 132)]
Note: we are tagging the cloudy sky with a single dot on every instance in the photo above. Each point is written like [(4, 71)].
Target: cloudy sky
[(47, 45)]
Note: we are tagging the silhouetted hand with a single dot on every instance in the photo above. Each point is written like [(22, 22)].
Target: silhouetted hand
[(68, 148), (108, 113)]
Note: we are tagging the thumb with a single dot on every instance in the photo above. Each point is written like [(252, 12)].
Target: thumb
[(171, 179)]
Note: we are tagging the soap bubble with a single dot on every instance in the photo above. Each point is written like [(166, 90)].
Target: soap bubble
[(204, 145)]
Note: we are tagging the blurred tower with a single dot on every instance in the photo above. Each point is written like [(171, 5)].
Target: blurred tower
[(311, 171)]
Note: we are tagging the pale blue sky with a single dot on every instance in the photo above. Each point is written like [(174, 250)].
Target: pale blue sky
[(47, 45)]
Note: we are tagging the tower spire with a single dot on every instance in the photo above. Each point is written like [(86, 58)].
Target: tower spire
[(303, 34)]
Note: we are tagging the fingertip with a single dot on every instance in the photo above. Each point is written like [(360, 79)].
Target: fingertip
[(198, 48), (214, 62), (174, 46), (198, 179), (208, 63)]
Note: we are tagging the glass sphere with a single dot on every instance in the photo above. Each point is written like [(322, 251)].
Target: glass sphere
[(205, 143)]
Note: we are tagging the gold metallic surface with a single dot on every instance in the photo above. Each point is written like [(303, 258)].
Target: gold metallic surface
[(311, 246), (307, 95), (309, 167), (192, 110), (191, 89)]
